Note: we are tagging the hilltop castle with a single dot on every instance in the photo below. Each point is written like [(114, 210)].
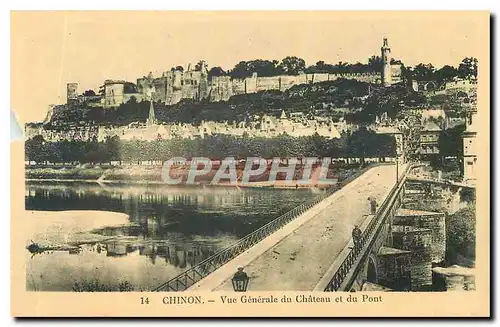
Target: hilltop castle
[(196, 84)]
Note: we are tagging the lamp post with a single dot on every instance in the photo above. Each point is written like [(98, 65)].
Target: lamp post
[(240, 280)]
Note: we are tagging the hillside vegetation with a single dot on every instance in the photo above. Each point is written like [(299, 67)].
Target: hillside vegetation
[(361, 101)]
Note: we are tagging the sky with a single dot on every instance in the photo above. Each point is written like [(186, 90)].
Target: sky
[(50, 49)]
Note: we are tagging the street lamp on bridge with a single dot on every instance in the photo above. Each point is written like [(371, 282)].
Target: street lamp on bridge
[(240, 280)]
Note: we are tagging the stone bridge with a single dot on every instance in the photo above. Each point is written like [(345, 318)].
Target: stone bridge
[(400, 246), (311, 248)]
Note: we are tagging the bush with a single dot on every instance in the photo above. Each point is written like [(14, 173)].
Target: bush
[(461, 235), (468, 195), (96, 286)]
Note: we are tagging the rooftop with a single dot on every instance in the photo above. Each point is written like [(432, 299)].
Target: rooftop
[(387, 130), (431, 126), (427, 113)]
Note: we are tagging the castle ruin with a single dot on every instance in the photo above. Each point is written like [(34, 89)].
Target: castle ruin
[(195, 83)]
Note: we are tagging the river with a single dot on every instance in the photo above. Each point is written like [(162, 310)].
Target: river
[(174, 228)]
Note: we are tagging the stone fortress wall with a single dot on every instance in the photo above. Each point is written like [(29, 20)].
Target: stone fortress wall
[(174, 86), (223, 87), (194, 83)]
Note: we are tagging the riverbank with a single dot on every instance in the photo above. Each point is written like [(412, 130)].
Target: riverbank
[(137, 174), (67, 229)]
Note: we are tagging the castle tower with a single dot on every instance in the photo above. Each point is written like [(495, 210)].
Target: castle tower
[(386, 63), (152, 118), (71, 92)]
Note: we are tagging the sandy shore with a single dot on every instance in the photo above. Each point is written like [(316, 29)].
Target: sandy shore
[(59, 228)]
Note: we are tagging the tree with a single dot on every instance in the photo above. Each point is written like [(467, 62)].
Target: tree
[(342, 67), (446, 73), (292, 65), (450, 142), (88, 93), (375, 63), (321, 66), (240, 70), (423, 72), (406, 73), (112, 148), (132, 100), (263, 68), (363, 143), (468, 68), (34, 149), (216, 71), (461, 234)]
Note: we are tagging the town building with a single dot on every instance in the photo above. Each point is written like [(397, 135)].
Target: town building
[(116, 92), (469, 137), (265, 126), (429, 140)]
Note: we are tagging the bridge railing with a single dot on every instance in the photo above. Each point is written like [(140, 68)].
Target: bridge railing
[(196, 273), (368, 234)]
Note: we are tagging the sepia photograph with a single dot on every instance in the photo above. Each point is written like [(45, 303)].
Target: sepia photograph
[(243, 152)]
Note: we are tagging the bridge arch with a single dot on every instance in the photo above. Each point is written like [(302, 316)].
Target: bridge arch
[(371, 270)]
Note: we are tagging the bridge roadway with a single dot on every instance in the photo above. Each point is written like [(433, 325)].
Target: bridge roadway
[(297, 256)]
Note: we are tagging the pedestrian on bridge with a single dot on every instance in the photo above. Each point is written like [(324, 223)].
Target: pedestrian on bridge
[(373, 205), (357, 235)]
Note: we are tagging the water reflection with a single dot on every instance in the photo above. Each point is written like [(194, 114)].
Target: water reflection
[(175, 228), (159, 209)]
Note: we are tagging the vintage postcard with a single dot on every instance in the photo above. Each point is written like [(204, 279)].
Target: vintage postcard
[(250, 164)]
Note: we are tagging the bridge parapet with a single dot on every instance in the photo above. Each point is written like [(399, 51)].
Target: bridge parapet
[(351, 260)]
